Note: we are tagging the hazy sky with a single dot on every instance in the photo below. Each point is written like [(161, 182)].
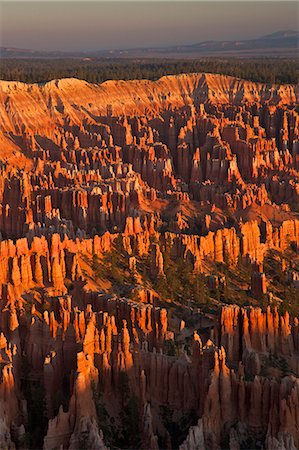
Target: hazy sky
[(81, 25)]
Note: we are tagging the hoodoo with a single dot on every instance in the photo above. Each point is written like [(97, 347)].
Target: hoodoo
[(149, 264)]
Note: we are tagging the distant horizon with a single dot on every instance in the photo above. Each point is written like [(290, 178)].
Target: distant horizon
[(141, 47), (107, 26)]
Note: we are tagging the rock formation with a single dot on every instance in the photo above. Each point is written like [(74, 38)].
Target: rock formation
[(149, 258)]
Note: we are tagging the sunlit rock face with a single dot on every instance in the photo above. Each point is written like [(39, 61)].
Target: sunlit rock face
[(149, 264)]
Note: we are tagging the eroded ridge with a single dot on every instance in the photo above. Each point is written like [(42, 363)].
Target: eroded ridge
[(149, 264)]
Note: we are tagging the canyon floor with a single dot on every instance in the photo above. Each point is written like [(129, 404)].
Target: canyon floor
[(149, 264)]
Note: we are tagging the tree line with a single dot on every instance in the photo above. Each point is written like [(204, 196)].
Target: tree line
[(266, 70)]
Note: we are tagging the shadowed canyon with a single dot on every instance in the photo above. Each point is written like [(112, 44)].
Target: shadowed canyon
[(149, 264)]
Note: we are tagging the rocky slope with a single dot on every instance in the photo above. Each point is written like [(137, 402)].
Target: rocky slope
[(56, 100), (149, 264)]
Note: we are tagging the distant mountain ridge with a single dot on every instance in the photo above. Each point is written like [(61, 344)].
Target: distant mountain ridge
[(285, 42), (280, 39), (281, 34)]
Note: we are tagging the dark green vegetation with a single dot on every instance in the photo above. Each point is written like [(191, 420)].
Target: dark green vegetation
[(280, 286), (180, 283), (277, 362), (177, 430), (123, 429), (184, 289), (265, 70), (34, 393)]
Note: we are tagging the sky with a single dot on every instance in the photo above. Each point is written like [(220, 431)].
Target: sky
[(100, 25)]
